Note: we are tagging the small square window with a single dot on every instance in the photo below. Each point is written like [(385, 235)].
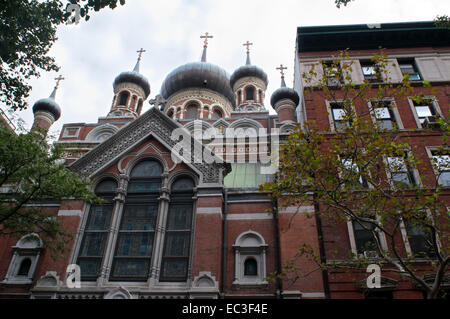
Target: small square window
[(441, 163), (425, 110), (339, 116), (401, 173), (370, 71), (71, 132)]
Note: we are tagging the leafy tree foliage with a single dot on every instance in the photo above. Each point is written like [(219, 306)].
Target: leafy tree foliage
[(32, 173), (361, 173), (27, 32)]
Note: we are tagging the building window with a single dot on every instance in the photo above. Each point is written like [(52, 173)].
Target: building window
[(250, 93), (426, 111), (364, 239), (384, 115), (217, 114), (246, 175), (408, 67), (71, 132), (250, 260), (333, 73), (352, 171), (370, 71), (239, 93), (250, 267), (96, 232), (24, 261), (401, 174), (170, 113), (134, 244), (419, 240), (192, 112), (340, 119), (139, 107), (175, 259), (441, 165), (123, 99)]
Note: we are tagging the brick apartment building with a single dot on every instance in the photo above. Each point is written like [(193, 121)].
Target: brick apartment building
[(202, 229)]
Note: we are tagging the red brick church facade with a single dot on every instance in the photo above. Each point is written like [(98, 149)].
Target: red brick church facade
[(202, 229)]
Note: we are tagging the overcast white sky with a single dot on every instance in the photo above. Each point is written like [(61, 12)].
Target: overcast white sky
[(93, 53)]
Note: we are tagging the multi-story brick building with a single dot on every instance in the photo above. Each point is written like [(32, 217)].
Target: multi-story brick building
[(200, 228), (419, 50)]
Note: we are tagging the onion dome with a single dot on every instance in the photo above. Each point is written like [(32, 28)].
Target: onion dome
[(284, 93), (248, 70), (202, 75), (134, 77), (49, 104)]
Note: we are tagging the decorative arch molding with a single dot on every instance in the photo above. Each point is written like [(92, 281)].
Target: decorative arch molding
[(119, 293), (250, 245), (50, 279), (182, 173), (102, 130), (142, 157), (99, 178), (221, 122), (205, 285), (27, 250), (191, 126), (245, 123)]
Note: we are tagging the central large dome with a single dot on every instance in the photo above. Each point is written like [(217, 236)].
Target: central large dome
[(202, 75)]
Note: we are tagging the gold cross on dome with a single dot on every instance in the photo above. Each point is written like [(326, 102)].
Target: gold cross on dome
[(248, 44), (140, 53), (59, 79), (206, 37), (282, 68)]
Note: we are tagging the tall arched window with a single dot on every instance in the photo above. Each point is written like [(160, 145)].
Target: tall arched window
[(239, 97), (175, 260), (217, 114), (260, 96), (139, 107), (134, 244), (96, 232), (123, 100), (170, 113), (191, 111), (250, 93)]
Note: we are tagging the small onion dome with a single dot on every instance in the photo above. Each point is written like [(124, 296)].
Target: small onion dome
[(284, 93), (47, 105), (248, 70), (198, 75), (133, 77)]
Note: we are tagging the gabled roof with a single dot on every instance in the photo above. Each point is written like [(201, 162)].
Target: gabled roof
[(151, 123)]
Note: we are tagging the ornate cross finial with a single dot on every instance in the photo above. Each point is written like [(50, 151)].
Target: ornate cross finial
[(206, 37), (158, 101), (59, 79), (282, 68), (247, 44), (140, 53)]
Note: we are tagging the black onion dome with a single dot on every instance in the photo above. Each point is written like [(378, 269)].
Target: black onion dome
[(133, 77), (248, 70), (284, 93), (198, 75), (48, 105)]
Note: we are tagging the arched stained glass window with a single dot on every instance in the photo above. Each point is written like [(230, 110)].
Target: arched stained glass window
[(96, 231), (175, 260), (134, 246)]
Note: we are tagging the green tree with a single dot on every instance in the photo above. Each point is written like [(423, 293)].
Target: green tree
[(362, 172), (27, 32), (33, 173)]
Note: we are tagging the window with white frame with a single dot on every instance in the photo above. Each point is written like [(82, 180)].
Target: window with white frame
[(426, 111), (370, 71), (384, 115), (340, 118), (364, 239), (441, 165), (420, 240), (401, 172), (24, 261), (250, 260), (352, 171)]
